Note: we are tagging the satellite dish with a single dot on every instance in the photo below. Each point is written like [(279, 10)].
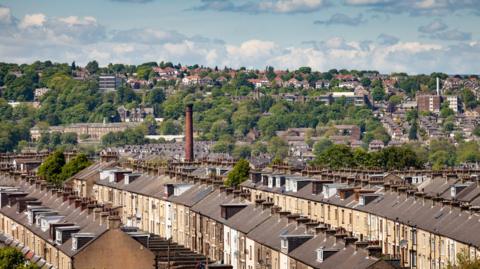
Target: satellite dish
[(403, 243)]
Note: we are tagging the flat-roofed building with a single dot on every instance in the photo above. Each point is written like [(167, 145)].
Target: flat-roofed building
[(108, 83)]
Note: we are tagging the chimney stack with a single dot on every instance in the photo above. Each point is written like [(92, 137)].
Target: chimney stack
[(189, 133)]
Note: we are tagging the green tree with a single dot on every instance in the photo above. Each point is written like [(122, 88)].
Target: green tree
[(225, 144), (395, 99), (74, 166), (11, 258), (469, 99), (321, 146), (465, 261), (239, 173), (170, 127), (363, 159), (366, 82), (156, 96), (391, 158), (476, 131), (51, 168), (412, 133), (336, 156), (446, 112), (277, 147), (378, 94), (242, 152), (92, 67), (442, 153), (468, 152)]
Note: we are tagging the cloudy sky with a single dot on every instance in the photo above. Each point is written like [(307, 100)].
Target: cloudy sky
[(415, 36)]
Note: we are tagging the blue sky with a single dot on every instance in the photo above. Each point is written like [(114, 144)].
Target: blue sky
[(415, 36)]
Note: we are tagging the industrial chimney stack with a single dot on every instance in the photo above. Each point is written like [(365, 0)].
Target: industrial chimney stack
[(188, 133)]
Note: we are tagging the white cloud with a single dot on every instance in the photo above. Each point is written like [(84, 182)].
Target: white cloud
[(74, 20), (32, 20), (5, 15), (82, 39), (366, 2), (340, 18), (434, 26), (148, 36), (252, 48), (418, 7), (289, 6), (263, 6)]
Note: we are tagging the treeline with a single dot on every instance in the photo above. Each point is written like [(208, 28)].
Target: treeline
[(56, 170), (439, 154), (390, 158), (131, 136)]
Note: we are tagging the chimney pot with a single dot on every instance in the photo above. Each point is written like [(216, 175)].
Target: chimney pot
[(331, 231), (349, 240), (71, 199), (284, 213), (275, 209), (266, 205), (96, 213), (361, 244), (103, 218), (374, 251), (292, 218), (320, 229), (90, 208), (78, 203), (340, 237), (114, 222)]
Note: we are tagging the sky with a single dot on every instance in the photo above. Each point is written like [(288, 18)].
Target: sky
[(413, 36)]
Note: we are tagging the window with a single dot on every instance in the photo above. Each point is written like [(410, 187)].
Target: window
[(320, 255), (413, 258), (414, 236)]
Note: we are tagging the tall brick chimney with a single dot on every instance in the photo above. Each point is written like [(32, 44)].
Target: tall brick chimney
[(188, 133)]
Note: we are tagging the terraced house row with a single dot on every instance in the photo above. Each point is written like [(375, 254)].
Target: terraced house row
[(422, 219), (282, 217), (225, 224), (57, 229)]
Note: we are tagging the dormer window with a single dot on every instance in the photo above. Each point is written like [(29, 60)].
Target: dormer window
[(74, 243), (58, 237), (284, 243), (320, 254), (323, 254), (361, 201)]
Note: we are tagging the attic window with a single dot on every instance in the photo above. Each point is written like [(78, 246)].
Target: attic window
[(284, 243)]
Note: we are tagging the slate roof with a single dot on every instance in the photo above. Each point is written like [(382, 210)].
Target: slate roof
[(70, 213)]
